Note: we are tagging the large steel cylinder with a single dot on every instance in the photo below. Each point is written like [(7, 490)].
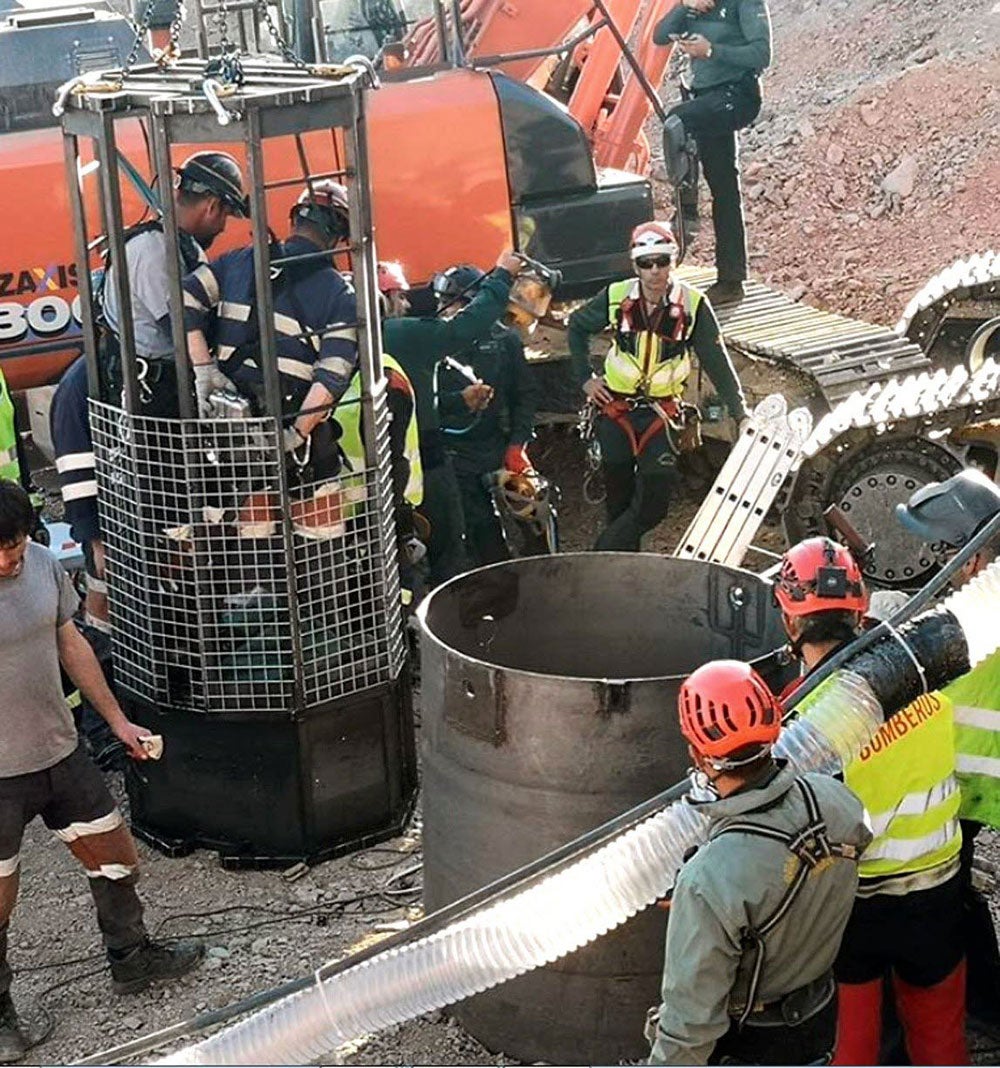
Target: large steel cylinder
[(548, 707)]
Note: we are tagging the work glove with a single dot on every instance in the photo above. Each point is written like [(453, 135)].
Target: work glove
[(515, 459), (208, 379)]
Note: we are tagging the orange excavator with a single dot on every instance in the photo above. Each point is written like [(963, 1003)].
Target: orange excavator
[(494, 124)]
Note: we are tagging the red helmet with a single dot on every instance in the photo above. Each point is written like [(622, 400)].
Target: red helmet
[(725, 706), (653, 239), (820, 575), (391, 277)]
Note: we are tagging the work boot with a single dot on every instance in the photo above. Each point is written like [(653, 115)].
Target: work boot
[(725, 292), (12, 1043), (153, 961)]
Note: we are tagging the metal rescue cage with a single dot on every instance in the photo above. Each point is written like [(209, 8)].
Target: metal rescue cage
[(221, 600)]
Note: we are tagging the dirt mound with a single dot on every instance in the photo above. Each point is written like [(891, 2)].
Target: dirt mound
[(875, 162)]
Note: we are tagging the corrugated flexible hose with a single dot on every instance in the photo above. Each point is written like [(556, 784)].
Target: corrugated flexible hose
[(533, 926)]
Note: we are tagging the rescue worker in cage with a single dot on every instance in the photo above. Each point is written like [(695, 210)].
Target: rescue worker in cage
[(486, 403), (659, 326), (907, 920), (948, 515), (208, 191), (757, 912), (418, 344), (315, 319), (728, 43), (44, 769), (404, 435)]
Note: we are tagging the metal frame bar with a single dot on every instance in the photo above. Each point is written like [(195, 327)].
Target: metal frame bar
[(661, 111), (106, 151), (500, 58), (182, 360), (78, 207), (441, 26), (365, 281), (269, 365)]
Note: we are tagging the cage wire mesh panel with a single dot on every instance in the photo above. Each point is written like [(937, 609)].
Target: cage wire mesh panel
[(203, 613)]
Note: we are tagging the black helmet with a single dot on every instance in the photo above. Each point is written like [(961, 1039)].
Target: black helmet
[(457, 283), (951, 511), (325, 205), (214, 174)]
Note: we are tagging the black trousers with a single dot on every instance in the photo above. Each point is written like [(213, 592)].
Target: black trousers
[(71, 791), (639, 488), (917, 935), (484, 538), (982, 990), (712, 117), (810, 1042), (442, 507)]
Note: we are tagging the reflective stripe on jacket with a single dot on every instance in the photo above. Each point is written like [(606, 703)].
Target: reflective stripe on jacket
[(348, 414), (654, 363), (976, 701), (905, 778), (9, 467)]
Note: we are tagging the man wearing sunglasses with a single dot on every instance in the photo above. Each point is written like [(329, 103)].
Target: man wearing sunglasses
[(659, 327)]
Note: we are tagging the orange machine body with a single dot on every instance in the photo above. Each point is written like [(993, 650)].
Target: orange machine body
[(463, 163), (429, 211)]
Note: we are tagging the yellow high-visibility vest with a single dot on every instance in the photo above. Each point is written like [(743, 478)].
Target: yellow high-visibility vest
[(906, 779), (643, 361), (975, 700), (348, 414), (9, 467)]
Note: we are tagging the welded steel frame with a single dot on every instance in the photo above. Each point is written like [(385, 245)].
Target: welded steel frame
[(276, 100)]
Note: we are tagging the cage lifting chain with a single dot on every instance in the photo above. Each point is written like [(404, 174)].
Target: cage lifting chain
[(165, 57), (264, 12)]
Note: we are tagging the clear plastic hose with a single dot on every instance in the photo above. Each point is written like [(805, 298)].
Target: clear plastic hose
[(533, 926), (834, 723), (513, 936), (975, 608)]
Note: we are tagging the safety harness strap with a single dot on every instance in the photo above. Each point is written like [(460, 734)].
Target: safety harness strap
[(809, 845)]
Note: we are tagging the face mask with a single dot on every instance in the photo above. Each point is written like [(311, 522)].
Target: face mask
[(702, 787)]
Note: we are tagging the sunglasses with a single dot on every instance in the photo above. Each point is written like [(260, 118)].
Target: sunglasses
[(646, 263)]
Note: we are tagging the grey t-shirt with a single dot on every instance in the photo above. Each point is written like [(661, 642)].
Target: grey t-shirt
[(36, 726), (146, 256)]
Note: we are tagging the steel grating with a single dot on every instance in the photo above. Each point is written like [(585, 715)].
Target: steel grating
[(838, 353), (206, 615)]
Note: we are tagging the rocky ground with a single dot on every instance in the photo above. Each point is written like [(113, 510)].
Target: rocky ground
[(873, 166)]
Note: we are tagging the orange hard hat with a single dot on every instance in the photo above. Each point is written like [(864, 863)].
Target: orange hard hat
[(725, 707), (653, 239), (820, 575)]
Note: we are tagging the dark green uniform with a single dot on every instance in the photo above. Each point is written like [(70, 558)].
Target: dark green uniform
[(418, 344), (724, 96), (477, 441)]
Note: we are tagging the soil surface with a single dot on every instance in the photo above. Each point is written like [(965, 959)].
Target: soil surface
[(873, 166)]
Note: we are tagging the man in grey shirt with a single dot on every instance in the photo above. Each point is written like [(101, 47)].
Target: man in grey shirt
[(44, 771), (208, 191)]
